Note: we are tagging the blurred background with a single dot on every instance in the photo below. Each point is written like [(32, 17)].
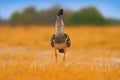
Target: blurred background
[(26, 28), (43, 12)]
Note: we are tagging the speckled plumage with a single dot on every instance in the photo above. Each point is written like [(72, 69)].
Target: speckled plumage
[(60, 40)]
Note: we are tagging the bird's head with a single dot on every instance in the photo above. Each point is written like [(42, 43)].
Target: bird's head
[(60, 14), (59, 18)]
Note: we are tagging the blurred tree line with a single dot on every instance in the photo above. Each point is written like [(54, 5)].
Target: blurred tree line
[(87, 15), (1, 21)]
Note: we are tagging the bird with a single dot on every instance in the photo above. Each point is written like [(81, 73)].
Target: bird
[(60, 41)]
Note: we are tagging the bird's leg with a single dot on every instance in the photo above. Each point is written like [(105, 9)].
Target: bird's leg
[(64, 57), (64, 54), (56, 55)]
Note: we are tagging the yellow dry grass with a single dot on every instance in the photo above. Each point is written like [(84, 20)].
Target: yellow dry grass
[(25, 54)]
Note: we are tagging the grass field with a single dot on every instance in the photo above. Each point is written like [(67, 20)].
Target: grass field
[(25, 54)]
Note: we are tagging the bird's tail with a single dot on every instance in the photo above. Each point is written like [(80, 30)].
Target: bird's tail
[(61, 50)]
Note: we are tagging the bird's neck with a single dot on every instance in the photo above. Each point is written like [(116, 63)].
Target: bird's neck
[(59, 29)]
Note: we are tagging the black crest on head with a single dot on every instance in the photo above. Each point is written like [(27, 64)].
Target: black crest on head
[(60, 12)]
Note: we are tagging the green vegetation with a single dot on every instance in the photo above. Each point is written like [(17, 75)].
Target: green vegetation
[(113, 21), (88, 15), (1, 20)]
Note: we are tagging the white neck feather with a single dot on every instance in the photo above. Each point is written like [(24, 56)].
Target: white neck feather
[(59, 28)]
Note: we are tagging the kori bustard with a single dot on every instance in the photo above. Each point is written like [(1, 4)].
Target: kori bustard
[(60, 41)]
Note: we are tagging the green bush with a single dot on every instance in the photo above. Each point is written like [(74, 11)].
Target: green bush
[(88, 15)]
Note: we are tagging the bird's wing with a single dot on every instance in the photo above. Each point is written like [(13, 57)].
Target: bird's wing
[(52, 41), (67, 40)]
